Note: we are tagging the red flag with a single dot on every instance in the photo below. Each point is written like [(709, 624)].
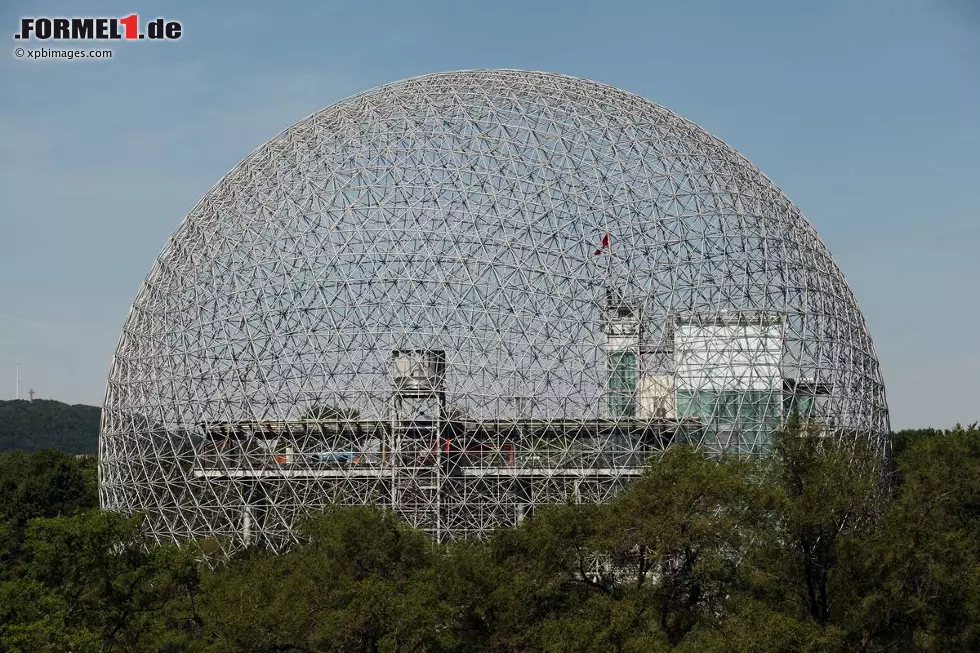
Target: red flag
[(603, 245)]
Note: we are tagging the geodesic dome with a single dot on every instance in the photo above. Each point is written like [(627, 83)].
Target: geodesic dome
[(463, 295)]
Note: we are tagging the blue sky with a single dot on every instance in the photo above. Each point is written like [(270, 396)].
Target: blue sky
[(866, 114)]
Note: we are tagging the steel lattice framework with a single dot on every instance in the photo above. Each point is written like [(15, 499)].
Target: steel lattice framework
[(466, 294)]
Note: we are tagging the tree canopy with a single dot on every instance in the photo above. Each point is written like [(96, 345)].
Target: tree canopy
[(46, 424), (813, 550)]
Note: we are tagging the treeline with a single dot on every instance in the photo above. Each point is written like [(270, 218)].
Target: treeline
[(46, 424), (807, 552)]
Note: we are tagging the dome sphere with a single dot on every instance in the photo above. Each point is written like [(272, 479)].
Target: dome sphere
[(466, 294)]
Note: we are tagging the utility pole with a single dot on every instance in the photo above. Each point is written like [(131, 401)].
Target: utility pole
[(17, 396), (30, 393)]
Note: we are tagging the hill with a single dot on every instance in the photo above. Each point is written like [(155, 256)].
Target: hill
[(48, 424)]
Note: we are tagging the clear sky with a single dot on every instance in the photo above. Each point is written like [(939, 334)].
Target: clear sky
[(865, 112)]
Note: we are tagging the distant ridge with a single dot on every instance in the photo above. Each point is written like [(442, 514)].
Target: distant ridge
[(48, 424)]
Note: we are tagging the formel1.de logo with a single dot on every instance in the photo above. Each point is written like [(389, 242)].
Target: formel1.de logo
[(97, 29)]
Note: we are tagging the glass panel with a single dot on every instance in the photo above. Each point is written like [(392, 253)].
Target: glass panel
[(733, 421), (623, 378)]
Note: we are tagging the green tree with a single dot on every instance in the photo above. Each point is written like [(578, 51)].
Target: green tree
[(675, 539), (752, 626), (45, 424), (822, 492), (640, 574), (918, 574), (42, 484), (534, 577), (93, 584), (806, 552), (361, 581)]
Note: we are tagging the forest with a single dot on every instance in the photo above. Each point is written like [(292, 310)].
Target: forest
[(813, 550), (47, 424)]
